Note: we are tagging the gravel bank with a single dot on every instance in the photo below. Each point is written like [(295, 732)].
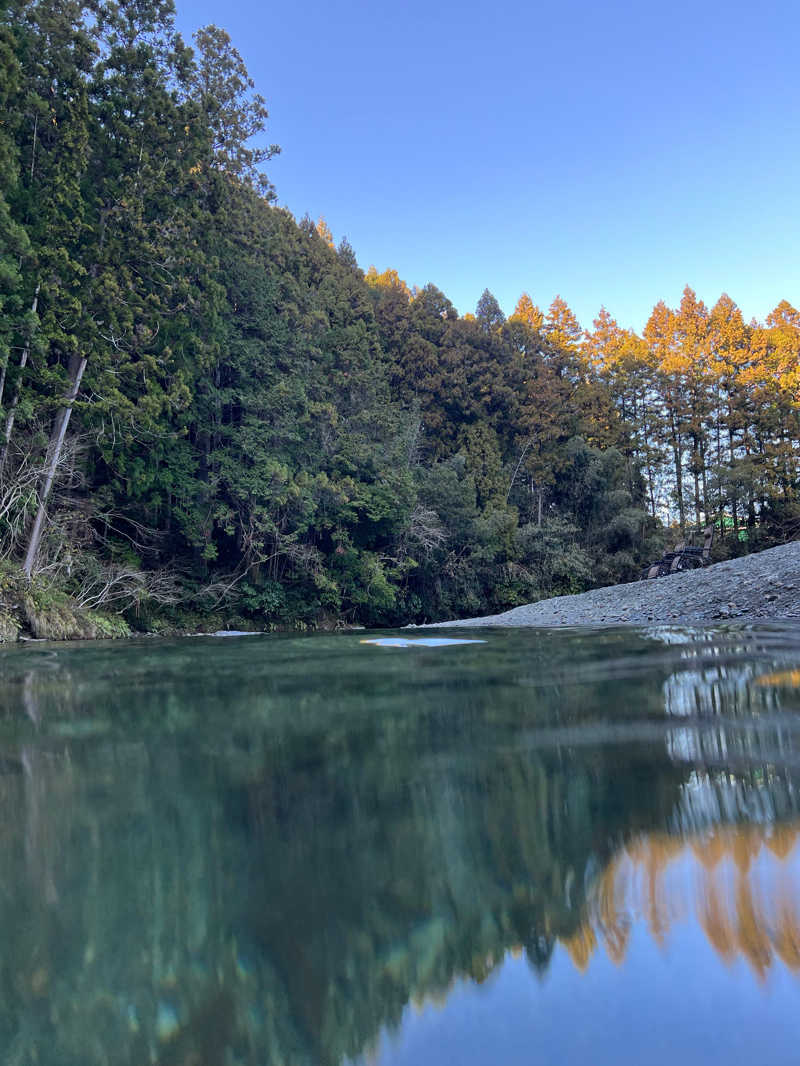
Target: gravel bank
[(765, 585)]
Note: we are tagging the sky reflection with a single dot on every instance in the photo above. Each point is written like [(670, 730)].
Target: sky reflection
[(689, 949)]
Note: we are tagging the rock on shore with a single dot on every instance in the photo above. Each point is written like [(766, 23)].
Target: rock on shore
[(765, 585)]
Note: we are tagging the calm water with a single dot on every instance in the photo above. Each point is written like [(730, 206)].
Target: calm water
[(567, 847)]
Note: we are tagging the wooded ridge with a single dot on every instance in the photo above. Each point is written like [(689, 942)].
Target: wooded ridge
[(211, 415)]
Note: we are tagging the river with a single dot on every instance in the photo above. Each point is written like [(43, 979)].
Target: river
[(539, 846)]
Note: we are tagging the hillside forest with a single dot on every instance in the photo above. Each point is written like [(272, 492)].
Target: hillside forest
[(209, 410)]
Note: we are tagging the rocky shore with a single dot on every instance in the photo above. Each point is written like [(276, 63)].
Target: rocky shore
[(763, 586)]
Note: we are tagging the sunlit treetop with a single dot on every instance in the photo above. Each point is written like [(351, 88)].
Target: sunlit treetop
[(527, 313), (389, 279)]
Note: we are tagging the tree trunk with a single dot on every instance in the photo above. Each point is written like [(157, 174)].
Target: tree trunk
[(677, 458), (647, 445), (12, 411), (704, 480), (651, 488), (718, 442), (734, 494), (77, 365)]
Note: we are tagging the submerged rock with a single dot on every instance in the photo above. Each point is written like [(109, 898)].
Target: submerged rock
[(418, 642), (167, 1023)]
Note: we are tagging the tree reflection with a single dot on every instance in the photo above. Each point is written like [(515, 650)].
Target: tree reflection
[(276, 883), (740, 884)]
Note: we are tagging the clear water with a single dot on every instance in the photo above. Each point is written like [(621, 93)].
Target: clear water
[(571, 847)]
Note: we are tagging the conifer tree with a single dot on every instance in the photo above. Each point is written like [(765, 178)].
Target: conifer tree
[(564, 334), (527, 313), (693, 364), (233, 111), (14, 244), (49, 115), (660, 336), (488, 312), (730, 354), (622, 362)]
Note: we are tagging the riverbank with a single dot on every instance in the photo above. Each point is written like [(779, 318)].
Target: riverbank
[(40, 610), (765, 585)]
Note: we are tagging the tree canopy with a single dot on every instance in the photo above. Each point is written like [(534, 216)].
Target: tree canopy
[(207, 405)]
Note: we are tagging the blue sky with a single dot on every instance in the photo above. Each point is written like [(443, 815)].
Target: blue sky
[(609, 152)]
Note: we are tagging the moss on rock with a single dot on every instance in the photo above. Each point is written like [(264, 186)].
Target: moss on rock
[(50, 617), (9, 627), (12, 587)]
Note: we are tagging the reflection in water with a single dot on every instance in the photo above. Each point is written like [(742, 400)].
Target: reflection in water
[(263, 852), (739, 884)]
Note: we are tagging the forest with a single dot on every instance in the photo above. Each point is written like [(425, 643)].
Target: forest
[(210, 414)]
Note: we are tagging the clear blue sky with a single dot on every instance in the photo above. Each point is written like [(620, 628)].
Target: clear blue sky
[(607, 151)]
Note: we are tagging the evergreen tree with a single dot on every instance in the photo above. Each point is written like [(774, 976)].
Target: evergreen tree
[(692, 340), (488, 312), (14, 245), (527, 313)]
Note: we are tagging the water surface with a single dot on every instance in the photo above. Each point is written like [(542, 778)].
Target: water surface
[(561, 847)]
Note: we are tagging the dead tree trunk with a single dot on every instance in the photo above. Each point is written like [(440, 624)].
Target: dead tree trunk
[(77, 365)]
